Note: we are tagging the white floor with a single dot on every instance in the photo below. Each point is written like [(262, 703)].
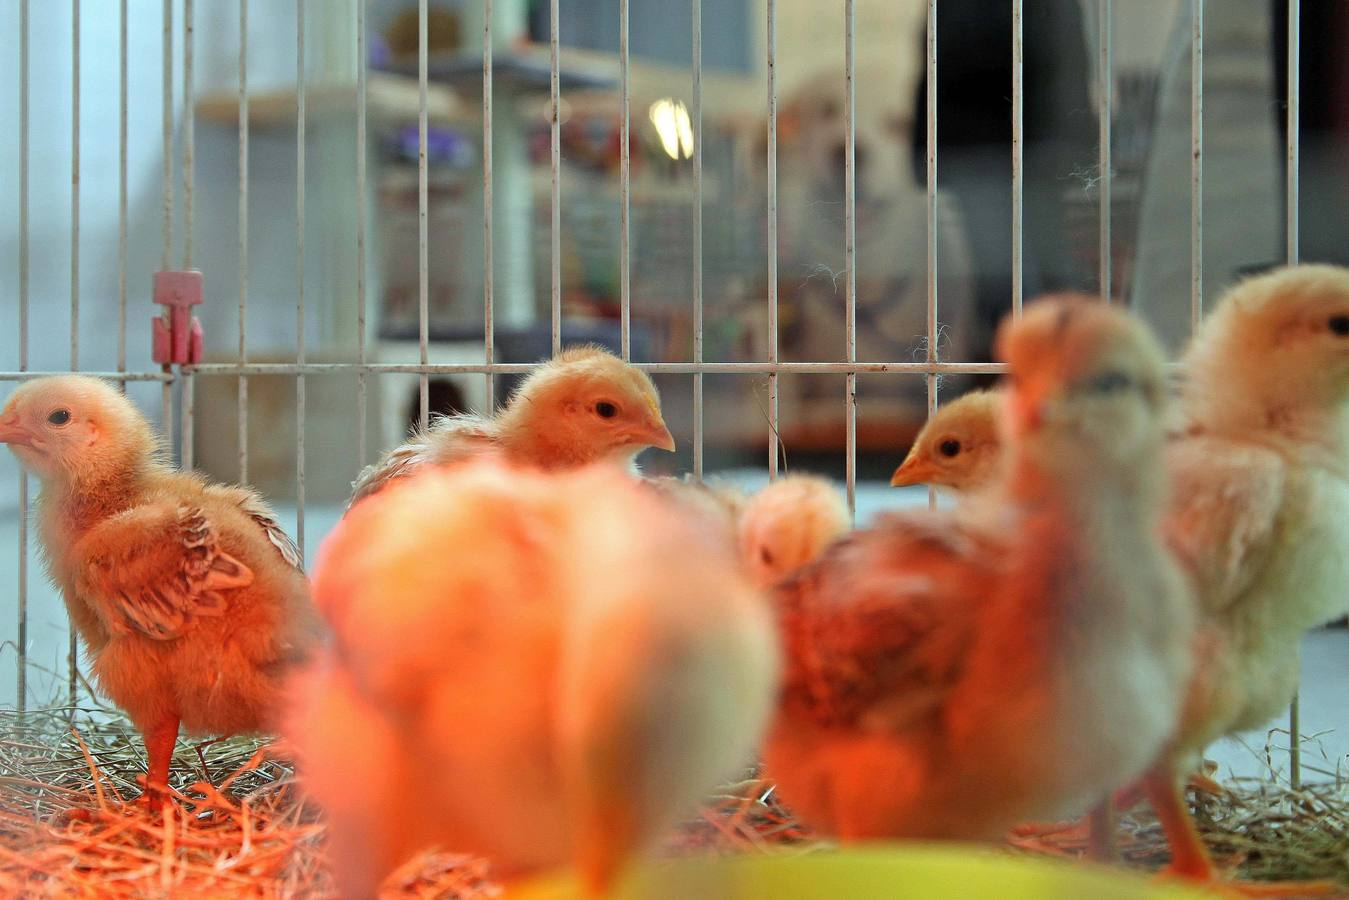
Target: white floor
[(1325, 653)]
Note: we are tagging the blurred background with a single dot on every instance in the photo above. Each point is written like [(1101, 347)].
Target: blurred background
[(1150, 203)]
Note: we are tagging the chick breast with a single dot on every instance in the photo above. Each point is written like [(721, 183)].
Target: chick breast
[(527, 666)]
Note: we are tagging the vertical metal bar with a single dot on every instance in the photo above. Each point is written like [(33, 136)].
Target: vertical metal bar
[(300, 89), (121, 187), (166, 136), (74, 186), (1105, 84), (698, 236), (185, 438), (21, 700), (488, 259), (361, 385), (188, 447), (850, 245), (1291, 214), (73, 657), (1018, 156), (423, 272), (931, 62), (774, 439), (555, 164), (189, 133), (624, 184), (1196, 163), (243, 238), (166, 251)]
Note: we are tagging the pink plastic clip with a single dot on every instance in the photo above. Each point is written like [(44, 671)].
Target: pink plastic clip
[(180, 341)]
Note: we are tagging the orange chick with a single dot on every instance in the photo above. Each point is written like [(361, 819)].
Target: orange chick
[(958, 448), (190, 599), (1260, 515), (952, 673), (583, 406), (788, 524), (534, 667)]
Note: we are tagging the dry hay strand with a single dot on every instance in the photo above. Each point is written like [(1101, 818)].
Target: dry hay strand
[(1256, 830), (70, 824), (239, 826)]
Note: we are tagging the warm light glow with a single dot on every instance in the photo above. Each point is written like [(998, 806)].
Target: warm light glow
[(671, 118)]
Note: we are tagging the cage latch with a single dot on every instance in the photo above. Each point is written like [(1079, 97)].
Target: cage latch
[(179, 342)]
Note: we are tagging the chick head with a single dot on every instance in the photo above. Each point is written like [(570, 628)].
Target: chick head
[(958, 448), (73, 428), (1277, 342), (592, 402), (1086, 387), (788, 524)]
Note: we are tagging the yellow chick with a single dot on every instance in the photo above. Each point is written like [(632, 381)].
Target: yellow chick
[(1260, 515), (190, 599), (583, 406), (534, 667), (958, 448), (950, 674), (788, 524)]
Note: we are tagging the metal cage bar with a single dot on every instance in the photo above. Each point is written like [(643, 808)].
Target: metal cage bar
[(243, 239), (488, 218), (300, 91), (189, 134), (624, 184), (696, 27), (1292, 203), (1105, 86), (1196, 163), (361, 383), (423, 271), (73, 650), (930, 62), (21, 683), (771, 51), (555, 171), (663, 368), (1018, 156), (850, 249)]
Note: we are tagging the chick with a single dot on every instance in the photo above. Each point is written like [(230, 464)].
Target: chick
[(952, 673), (582, 406), (788, 524), (190, 599), (958, 448), (1260, 516), (535, 667)]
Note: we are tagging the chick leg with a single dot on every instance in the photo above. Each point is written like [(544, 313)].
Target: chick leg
[(1190, 859), (159, 741), (1101, 832)]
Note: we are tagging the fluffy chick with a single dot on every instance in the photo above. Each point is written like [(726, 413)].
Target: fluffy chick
[(190, 599), (1260, 516), (949, 674), (958, 448), (788, 524), (582, 406), (535, 667)]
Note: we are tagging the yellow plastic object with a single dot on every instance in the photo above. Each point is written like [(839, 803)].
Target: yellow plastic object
[(875, 873)]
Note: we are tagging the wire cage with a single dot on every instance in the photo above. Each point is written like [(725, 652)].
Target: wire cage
[(693, 263)]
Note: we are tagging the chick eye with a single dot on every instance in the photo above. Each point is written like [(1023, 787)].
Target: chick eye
[(1110, 382), (605, 410), (59, 416), (1339, 325), (766, 556), (949, 447)]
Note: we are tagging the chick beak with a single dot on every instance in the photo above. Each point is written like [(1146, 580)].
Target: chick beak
[(11, 432), (656, 434), (914, 470)]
